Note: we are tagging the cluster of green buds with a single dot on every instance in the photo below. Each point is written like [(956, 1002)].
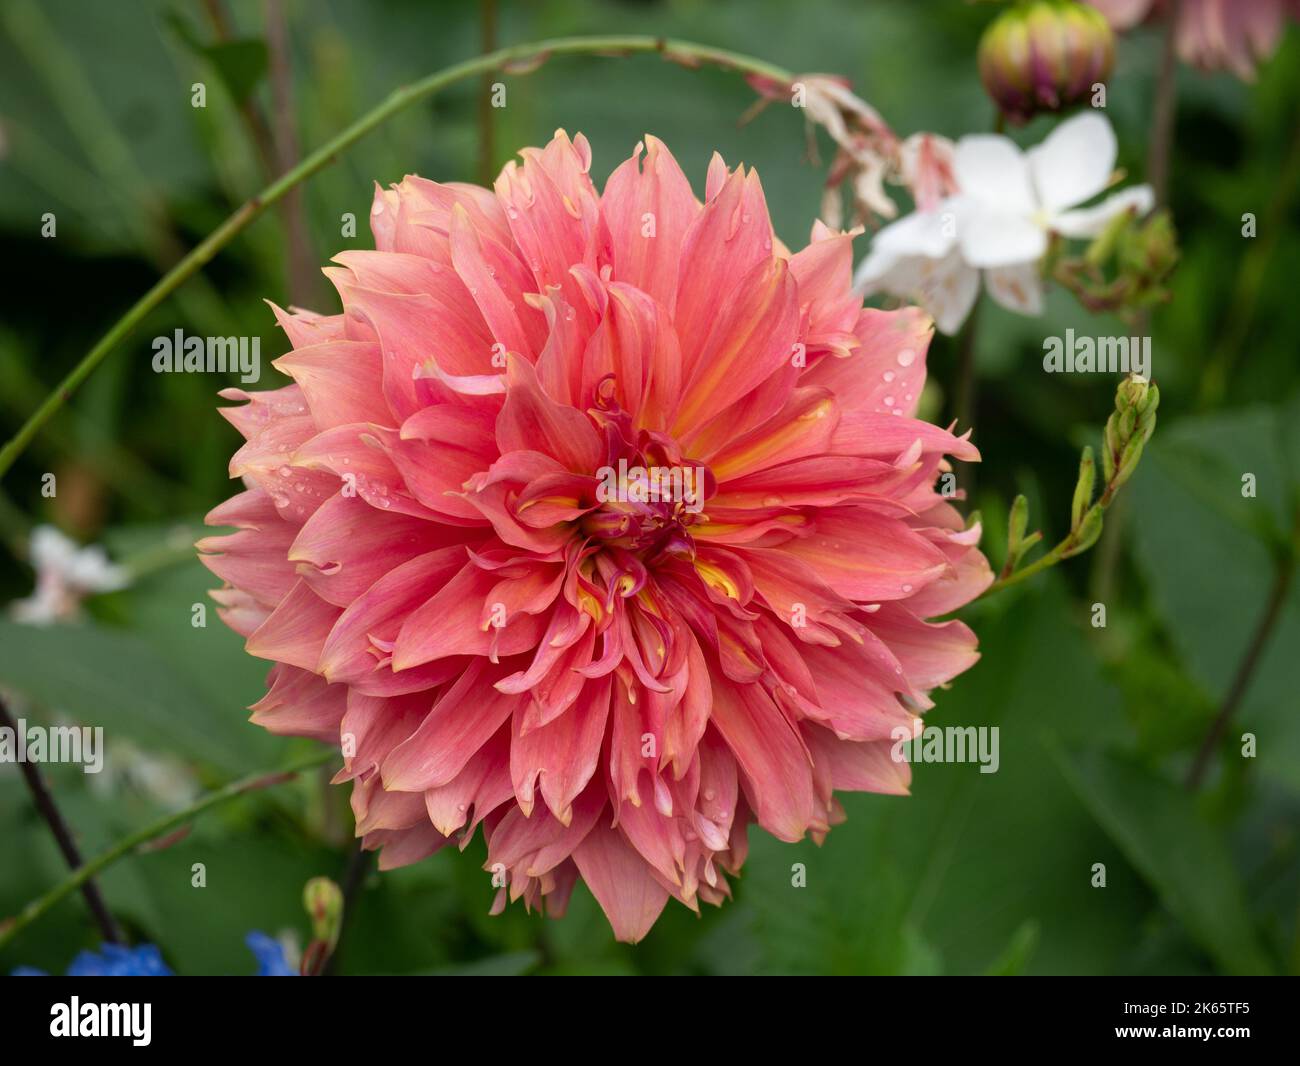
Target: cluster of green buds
[(1045, 55), (1127, 431), (1127, 267)]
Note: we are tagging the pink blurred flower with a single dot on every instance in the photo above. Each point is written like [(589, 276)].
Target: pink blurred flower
[(613, 687), (1230, 35)]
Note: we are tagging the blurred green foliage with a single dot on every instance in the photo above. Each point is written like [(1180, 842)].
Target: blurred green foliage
[(972, 874)]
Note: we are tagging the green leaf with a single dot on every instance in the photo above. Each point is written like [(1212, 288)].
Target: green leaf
[(1156, 826), (1013, 961), (239, 63), (1204, 551), (113, 679)]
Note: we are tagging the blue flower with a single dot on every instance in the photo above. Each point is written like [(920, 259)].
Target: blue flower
[(114, 960), (271, 961), (146, 960)]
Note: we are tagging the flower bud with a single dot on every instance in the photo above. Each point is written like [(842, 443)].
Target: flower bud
[(324, 902), (1044, 55)]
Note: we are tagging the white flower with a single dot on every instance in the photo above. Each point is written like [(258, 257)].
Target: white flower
[(1008, 204), (65, 575)]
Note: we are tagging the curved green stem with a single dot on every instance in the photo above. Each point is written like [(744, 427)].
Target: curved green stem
[(128, 844), (517, 59)]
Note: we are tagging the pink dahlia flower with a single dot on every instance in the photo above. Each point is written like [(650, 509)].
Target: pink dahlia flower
[(601, 521)]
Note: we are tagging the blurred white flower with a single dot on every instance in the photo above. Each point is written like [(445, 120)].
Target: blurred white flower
[(65, 575), (1008, 204)]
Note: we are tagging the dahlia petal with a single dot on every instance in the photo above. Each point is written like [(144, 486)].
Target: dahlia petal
[(751, 340), (803, 427), (888, 364), (859, 767), (482, 786), (730, 238), (346, 655), (771, 756), (407, 326), (530, 419), (339, 381), (649, 206), (881, 436), (458, 725), (300, 704), (402, 847), (864, 556), (497, 281), (563, 753), (296, 630), (449, 623), (539, 843), (621, 882), (931, 654), (346, 546)]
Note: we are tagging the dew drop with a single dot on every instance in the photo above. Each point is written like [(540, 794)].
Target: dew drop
[(709, 795), (889, 401), (744, 219), (907, 588), (889, 375), (906, 357), (513, 214), (286, 471)]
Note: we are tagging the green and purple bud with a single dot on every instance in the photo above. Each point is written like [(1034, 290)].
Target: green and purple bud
[(1044, 55)]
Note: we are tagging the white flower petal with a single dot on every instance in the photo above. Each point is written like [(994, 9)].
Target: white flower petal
[(993, 170), (1090, 221), (995, 239), (945, 287), (1017, 288), (951, 295), (1075, 161), (930, 234)]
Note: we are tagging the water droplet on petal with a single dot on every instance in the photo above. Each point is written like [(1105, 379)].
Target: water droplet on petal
[(889, 375), (286, 471), (906, 357), (889, 401), (907, 588)]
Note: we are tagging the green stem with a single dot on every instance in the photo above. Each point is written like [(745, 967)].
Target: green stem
[(517, 59), (128, 844)]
